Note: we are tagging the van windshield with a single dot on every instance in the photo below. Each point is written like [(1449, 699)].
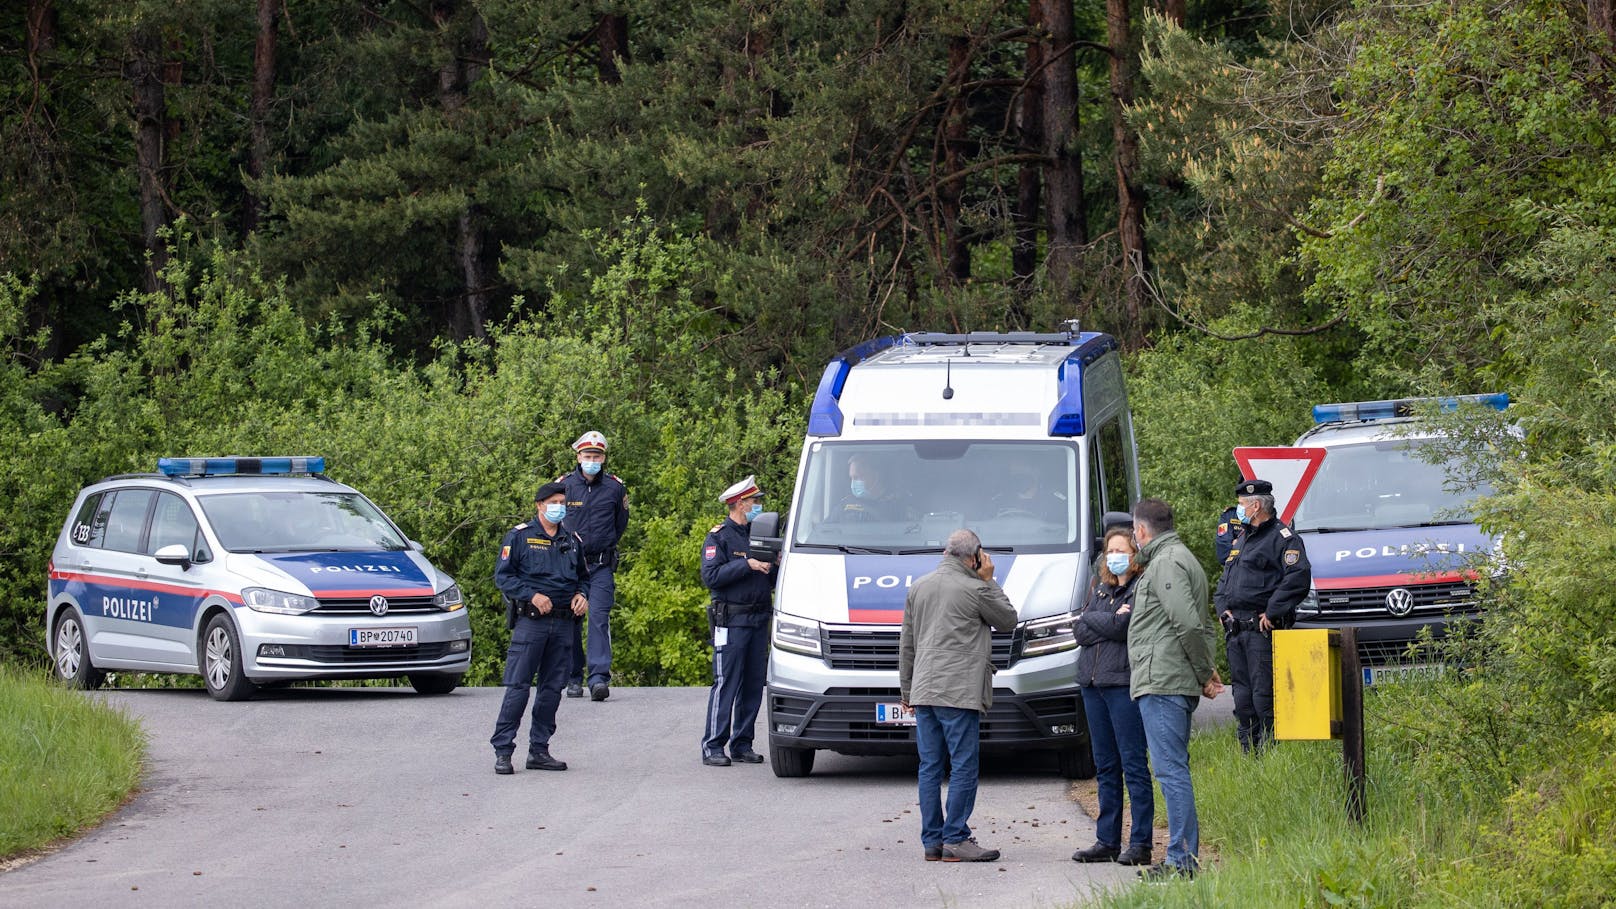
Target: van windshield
[(909, 496), (299, 522), (1381, 485)]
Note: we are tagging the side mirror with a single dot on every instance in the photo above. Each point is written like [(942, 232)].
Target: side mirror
[(765, 534), (416, 545), (174, 554)]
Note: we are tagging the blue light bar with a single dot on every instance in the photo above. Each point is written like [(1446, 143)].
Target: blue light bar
[(825, 417), (1066, 418), (1400, 407), (217, 467)]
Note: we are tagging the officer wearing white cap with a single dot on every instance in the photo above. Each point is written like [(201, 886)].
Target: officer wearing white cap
[(597, 511), (742, 590), (1265, 577)]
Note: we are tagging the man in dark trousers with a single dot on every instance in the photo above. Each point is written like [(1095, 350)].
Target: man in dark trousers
[(945, 672), (542, 575), (1265, 577), (743, 595), (597, 511)]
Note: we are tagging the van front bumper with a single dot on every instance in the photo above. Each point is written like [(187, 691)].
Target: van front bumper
[(843, 720)]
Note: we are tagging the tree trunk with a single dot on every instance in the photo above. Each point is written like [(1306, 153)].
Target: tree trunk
[(1063, 168), (1602, 23), (468, 57), (263, 91), (41, 40), (1130, 195), (611, 41), (1029, 183), (950, 196), (145, 80), (1174, 10)]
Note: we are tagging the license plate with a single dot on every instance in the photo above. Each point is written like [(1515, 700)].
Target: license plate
[(894, 715), (1412, 672), (381, 637)]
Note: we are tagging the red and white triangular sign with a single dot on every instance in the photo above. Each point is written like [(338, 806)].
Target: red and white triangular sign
[(1291, 470)]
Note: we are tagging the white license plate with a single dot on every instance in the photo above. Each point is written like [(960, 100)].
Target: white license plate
[(381, 637), (1412, 672), (894, 715)]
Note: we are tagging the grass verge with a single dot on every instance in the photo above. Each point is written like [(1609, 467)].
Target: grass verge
[(66, 760)]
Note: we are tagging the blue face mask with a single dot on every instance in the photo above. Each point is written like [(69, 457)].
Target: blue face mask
[(753, 512), (590, 468), (554, 512), (858, 489), (1240, 513), (1118, 562)]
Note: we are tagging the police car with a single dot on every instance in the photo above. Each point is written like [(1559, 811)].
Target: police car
[(250, 572)]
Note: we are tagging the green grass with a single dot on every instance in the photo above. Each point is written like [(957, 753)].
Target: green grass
[(66, 760)]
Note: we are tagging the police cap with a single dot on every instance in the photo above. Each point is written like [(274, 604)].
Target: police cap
[(1254, 488), (744, 489), (590, 441), (548, 490)]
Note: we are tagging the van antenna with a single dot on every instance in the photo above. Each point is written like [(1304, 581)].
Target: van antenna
[(948, 388)]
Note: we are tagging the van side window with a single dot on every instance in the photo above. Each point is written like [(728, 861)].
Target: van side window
[(127, 520), (173, 522), (1111, 457), (90, 524)]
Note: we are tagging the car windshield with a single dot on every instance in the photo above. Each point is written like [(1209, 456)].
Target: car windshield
[(299, 522), (909, 496), (1381, 485)]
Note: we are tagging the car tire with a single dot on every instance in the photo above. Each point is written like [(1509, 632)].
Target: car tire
[(434, 682), (1077, 763), (221, 661), (791, 762), (70, 654)]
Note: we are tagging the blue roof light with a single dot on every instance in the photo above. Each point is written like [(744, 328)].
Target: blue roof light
[(1400, 407), (1066, 418), (825, 417), (216, 467)]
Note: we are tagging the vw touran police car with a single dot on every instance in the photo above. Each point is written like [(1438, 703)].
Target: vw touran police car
[(251, 572)]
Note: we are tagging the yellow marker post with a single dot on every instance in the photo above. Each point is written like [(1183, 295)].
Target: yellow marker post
[(1307, 685)]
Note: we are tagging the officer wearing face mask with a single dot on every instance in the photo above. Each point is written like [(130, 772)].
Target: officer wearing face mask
[(743, 593), (1265, 577), (869, 497), (597, 511), (541, 572)]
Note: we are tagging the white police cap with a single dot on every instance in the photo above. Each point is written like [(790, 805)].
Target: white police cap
[(590, 440), (741, 490)]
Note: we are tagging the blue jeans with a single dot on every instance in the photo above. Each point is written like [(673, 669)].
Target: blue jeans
[(956, 733), (1167, 730), (538, 649), (740, 668), (601, 591), (1117, 736)]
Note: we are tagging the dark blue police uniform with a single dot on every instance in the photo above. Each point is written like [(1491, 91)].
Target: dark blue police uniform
[(1266, 573), (739, 619), (597, 511), (532, 561), (1229, 530)]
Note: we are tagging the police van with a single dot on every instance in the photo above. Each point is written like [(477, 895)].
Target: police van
[(249, 572), (1389, 532), (1025, 438)]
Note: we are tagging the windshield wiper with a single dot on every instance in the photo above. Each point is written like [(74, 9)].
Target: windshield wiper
[(850, 550), (1331, 529), (1454, 523)]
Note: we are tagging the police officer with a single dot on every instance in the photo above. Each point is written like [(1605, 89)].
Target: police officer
[(1229, 529), (597, 511), (1265, 577), (541, 572), (742, 589)]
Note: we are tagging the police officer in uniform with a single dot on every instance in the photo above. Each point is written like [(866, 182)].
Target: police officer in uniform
[(541, 572), (1229, 529), (743, 590), (1265, 577), (597, 511)]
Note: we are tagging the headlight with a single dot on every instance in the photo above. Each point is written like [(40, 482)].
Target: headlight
[(261, 599), (797, 635), (1309, 604), (1051, 635), (449, 600)]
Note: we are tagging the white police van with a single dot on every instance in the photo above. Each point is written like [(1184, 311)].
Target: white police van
[(1389, 533), (1024, 438), (249, 571)]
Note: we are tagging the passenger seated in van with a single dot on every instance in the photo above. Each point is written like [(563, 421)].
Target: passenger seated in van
[(870, 497), (1025, 495)]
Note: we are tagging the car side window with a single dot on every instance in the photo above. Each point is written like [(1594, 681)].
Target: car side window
[(127, 520), (173, 522), (87, 530)]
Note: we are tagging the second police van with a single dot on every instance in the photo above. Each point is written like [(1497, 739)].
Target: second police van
[(1026, 439)]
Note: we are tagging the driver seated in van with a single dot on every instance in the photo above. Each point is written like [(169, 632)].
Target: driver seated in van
[(1024, 494), (870, 497)]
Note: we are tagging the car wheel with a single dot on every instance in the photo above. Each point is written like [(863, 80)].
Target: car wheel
[(70, 654), (434, 682), (1077, 763), (221, 662), (790, 762)]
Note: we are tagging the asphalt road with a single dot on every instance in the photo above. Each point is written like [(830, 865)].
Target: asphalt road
[(328, 796)]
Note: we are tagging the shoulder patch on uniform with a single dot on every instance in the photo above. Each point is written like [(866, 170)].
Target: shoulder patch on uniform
[(716, 528), (1292, 556), (504, 553), (617, 478), (1223, 528), (709, 553), (1285, 532)]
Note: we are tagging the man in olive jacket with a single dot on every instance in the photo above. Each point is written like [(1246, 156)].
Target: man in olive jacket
[(945, 672), (1170, 658)]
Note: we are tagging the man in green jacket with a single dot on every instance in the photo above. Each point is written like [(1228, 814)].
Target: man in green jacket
[(1170, 658), (945, 671)]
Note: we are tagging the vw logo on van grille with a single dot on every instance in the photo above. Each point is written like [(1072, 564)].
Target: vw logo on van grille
[(378, 604), (1399, 602)]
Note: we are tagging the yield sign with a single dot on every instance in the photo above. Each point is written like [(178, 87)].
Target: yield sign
[(1291, 470)]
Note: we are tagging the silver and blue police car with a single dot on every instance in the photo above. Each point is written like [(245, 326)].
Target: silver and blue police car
[(251, 572)]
